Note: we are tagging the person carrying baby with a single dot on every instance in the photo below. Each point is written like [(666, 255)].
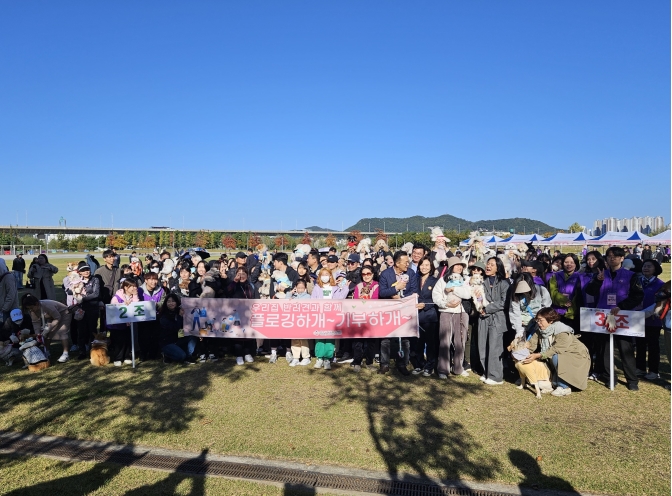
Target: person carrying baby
[(452, 296)]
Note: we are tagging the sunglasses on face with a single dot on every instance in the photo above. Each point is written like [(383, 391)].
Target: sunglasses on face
[(367, 273)]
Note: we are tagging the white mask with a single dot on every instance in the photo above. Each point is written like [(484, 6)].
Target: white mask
[(325, 279)]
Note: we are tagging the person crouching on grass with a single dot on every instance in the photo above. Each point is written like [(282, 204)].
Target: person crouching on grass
[(327, 289)]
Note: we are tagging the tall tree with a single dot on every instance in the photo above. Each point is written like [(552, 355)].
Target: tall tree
[(575, 228)]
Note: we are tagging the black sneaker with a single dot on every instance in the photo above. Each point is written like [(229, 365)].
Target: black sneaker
[(633, 386), (404, 371)]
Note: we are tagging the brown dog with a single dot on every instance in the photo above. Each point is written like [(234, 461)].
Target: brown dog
[(536, 373), (99, 356)]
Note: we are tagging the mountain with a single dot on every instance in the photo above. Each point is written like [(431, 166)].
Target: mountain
[(318, 228), (448, 222)]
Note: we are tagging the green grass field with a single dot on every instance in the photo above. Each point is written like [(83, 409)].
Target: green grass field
[(596, 440)]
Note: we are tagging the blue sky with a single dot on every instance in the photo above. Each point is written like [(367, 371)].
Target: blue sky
[(257, 115)]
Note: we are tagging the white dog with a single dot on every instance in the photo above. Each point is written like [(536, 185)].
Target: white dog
[(478, 292)]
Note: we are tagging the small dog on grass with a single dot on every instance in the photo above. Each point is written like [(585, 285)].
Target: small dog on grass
[(99, 356), (536, 373)]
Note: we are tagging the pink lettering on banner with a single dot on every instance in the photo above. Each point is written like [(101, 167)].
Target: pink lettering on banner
[(234, 318)]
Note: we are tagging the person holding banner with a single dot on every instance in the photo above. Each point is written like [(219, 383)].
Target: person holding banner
[(594, 342), (492, 324), (241, 288), (171, 320), (428, 319), (367, 289), (327, 289), (560, 348), (397, 282), (651, 284), (618, 289), (120, 334)]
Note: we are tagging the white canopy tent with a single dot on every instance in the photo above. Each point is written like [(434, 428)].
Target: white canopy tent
[(620, 238), (523, 238), (660, 239), (566, 239), (487, 240)]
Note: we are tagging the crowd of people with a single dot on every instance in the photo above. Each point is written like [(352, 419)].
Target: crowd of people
[(473, 305)]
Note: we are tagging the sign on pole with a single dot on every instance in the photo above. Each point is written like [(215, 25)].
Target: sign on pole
[(628, 323), (140, 311)]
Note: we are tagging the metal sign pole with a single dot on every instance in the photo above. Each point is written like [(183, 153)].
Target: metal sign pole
[(611, 362), (133, 344)]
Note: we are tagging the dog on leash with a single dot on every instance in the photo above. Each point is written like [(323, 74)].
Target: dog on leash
[(536, 373)]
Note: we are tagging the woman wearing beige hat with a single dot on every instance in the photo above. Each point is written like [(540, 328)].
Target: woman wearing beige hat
[(453, 318)]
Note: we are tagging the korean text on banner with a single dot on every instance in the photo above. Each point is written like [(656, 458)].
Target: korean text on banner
[(628, 323), (300, 319), (135, 312)]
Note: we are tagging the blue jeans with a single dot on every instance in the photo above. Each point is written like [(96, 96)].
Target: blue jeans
[(19, 279), (555, 366), (181, 349)]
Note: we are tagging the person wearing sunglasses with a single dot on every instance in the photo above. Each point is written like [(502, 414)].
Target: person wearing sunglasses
[(366, 289)]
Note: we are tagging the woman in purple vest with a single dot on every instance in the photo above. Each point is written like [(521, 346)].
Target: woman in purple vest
[(566, 292), (594, 342), (618, 289), (651, 284)]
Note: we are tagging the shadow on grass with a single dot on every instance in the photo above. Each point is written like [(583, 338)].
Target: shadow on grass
[(534, 478), (110, 403)]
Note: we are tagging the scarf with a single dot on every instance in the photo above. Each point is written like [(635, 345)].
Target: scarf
[(548, 333)]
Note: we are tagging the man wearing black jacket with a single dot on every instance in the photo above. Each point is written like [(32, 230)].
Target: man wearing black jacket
[(19, 268), (280, 264)]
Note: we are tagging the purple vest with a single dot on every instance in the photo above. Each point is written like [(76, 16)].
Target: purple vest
[(538, 280), (619, 286), (585, 278), (156, 297), (649, 299), (566, 288)]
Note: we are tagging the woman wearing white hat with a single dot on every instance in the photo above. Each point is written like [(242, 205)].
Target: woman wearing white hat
[(453, 319)]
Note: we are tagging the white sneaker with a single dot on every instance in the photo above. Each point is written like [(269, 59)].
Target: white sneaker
[(561, 391), (443, 376), (651, 376), (294, 362), (249, 359), (289, 357), (128, 362), (491, 382), (305, 361), (201, 359), (212, 358), (239, 361), (464, 373), (319, 363), (117, 364), (482, 378), (327, 365), (64, 358)]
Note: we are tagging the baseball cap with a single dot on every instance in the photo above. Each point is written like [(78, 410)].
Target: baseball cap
[(353, 257), (240, 254), (332, 259), (16, 315)]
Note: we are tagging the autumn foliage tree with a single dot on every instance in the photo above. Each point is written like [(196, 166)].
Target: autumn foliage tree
[(202, 238), (380, 234), (306, 240), (330, 240), (148, 242), (116, 241), (280, 242), (253, 240), (228, 242)]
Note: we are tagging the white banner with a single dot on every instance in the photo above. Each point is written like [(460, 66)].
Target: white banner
[(135, 312), (628, 323)]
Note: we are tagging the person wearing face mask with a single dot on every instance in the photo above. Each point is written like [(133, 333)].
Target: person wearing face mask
[(566, 291), (327, 289), (651, 284), (492, 323)]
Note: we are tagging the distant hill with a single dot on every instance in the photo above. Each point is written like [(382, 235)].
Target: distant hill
[(449, 222), (318, 228)]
